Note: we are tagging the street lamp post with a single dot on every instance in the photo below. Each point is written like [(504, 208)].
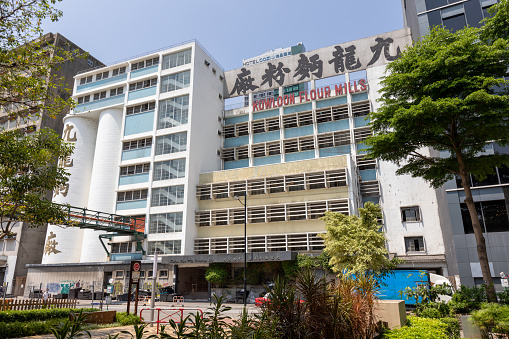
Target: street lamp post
[(244, 297)]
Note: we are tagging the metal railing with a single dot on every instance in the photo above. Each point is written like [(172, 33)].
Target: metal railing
[(84, 218), (164, 315)]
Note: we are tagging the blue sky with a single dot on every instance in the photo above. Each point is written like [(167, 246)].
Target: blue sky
[(230, 30)]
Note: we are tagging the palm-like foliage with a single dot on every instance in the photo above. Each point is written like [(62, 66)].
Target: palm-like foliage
[(71, 328)]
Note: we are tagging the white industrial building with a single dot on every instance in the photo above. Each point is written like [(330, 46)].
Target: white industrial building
[(153, 139)]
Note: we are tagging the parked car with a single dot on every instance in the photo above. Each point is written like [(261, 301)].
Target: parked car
[(266, 299)]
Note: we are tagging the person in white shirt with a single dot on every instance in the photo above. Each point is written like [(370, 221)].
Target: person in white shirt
[(45, 296)]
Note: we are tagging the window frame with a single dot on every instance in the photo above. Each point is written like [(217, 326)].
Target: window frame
[(404, 216)]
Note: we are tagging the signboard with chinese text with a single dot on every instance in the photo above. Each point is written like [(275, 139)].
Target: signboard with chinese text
[(318, 64)]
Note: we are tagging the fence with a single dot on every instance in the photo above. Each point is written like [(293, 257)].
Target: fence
[(164, 315), (17, 305)]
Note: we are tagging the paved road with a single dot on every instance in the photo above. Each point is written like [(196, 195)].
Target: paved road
[(122, 306)]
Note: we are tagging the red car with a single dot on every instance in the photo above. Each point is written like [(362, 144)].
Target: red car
[(266, 299)]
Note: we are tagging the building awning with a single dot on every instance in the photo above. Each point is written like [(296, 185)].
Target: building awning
[(229, 258)]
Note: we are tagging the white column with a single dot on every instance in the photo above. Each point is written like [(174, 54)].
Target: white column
[(63, 245), (104, 180)]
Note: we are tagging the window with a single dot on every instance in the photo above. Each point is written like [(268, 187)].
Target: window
[(491, 214), (237, 130), (453, 17), (116, 91), (409, 214), (163, 274), (144, 64), (166, 222), (166, 196), (134, 169), (100, 95), (175, 81), (150, 106), (137, 144), (132, 195), (103, 75), (125, 247), (85, 99), (118, 71), (171, 143), (414, 244), (332, 114), (176, 59), (173, 112), (143, 84), (164, 247), (119, 274), (271, 213), (169, 169), (85, 80)]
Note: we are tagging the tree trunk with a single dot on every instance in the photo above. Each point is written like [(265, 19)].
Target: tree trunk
[(476, 225)]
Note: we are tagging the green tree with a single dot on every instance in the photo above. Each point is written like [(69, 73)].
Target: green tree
[(356, 245), (218, 274), (439, 97), (498, 25), (29, 87), (28, 171), (28, 83)]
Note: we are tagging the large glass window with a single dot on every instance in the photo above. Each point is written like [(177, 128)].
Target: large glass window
[(455, 23), (169, 169), (165, 196), (432, 4), (171, 143), (173, 112), (164, 247), (166, 222), (177, 59), (492, 215), (175, 81)]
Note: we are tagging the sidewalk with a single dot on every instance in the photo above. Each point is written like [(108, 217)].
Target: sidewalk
[(103, 332)]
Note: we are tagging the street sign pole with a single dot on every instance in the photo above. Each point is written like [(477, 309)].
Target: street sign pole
[(134, 278), (153, 292)]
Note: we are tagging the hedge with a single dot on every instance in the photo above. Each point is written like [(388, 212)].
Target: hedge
[(125, 319), (424, 328), (38, 315), (25, 329)]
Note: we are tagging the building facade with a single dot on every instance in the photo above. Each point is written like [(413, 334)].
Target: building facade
[(27, 244), (490, 195), (153, 139)]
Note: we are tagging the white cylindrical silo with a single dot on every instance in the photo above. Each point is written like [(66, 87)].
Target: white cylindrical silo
[(103, 183), (63, 244)]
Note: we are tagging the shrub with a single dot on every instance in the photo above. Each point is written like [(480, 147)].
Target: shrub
[(430, 313), (467, 299), (128, 319), (420, 328), (492, 317), (25, 329), (39, 315), (432, 310), (453, 326), (503, 297)]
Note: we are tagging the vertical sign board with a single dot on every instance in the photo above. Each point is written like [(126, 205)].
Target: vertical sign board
[(134, 278)]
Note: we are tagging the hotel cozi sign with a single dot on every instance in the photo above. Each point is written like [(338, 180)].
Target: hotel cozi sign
[(322, 63)]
